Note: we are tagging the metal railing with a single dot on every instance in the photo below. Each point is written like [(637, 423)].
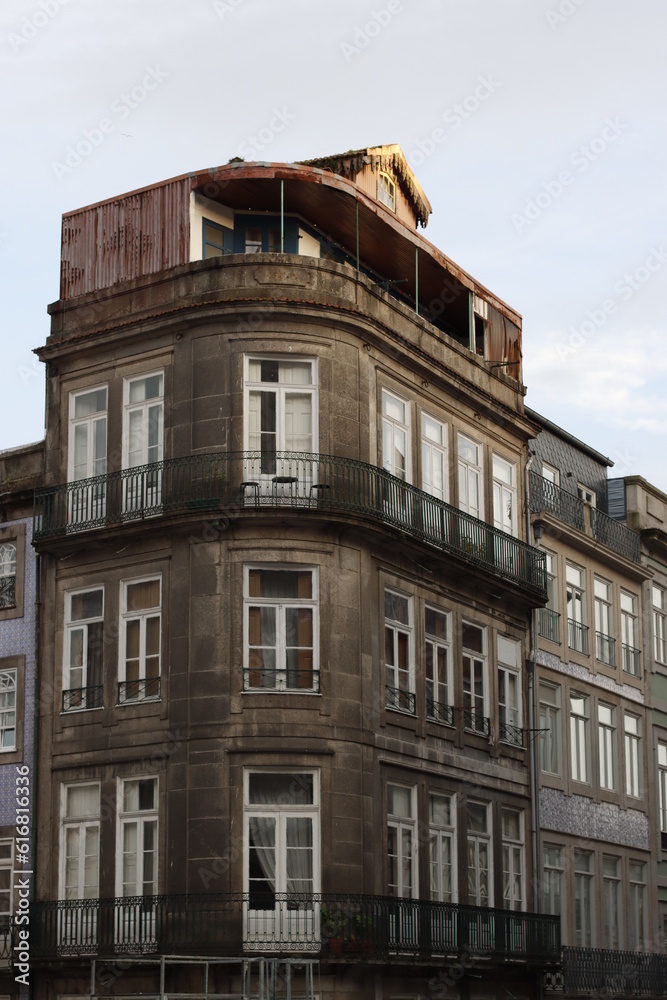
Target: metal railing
[(335, 925), (474, 723), (631, 660), (546, 496), (605, 648), (263, 679), (76, 699), (436, 711), (131, 692), (577, 636), (510, 734), (404, 701), (240, 481), (615, 535), (614, 973), (548, 624)]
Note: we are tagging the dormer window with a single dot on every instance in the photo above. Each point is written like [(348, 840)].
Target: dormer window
[(387, 191)]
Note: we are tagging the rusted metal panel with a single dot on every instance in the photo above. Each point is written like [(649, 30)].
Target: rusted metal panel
[(504, 343)]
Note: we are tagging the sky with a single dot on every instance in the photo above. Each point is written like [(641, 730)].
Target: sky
[(537, 129)]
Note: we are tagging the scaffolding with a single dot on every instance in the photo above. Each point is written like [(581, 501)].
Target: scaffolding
[(250, 978)]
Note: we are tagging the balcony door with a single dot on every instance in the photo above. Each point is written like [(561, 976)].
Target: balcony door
[(87, 455), (136, 863), (282, 861), (143, 434), (79, 865)]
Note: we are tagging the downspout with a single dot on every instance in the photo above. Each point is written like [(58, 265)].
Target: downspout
[(532, 729)]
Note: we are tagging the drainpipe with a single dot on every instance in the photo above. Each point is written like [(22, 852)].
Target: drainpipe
[(532, 728)]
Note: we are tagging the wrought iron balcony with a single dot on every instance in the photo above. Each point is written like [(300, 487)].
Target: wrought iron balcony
[(548, 624), (228, 485), (475, 723), (403, 701), (290, 679), (615, 535), (631, 660), (437, 712), (577, 636), (510, 734), (146, 689), (605, 648), (614, 973), (334, 926), (77, 699)]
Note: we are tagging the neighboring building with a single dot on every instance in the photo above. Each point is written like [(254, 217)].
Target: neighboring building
[(21, 470), (598, 836), (285, 715)]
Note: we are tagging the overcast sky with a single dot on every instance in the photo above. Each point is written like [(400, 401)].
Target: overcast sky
[(537, 129)]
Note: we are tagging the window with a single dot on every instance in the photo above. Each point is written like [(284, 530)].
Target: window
[(513, 866), (509, 692), (638, 915), (607, 746), (474, 679), (471, 498), (442, 847), (577, 630), (281, 413), (396, 436), (629, 634), (398, 657), (480, 310), (136, 867), (586, 494), (87, 451), (139, 674), (633, 756), (659, 600), (253, 240), (281, 649), (435, 469), (480, 883), (7, 710), (611, 892), (6, 886), (550, 738), (143, 440), (7, 575), (217, 240), (80, 842), (401, 841), (551, 474), (604, 642), (548, 620), (504, 495), (583, 898), (579, 737), (552, 886), (662, 792), (386, 191), (281, 854), (437, 663), (84, 643)]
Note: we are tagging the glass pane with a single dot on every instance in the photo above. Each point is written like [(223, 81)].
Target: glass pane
[(280, 584), (88, 605), (502, 470), (511, 824), (278, 788), (298, 422), (143, 595), (393, 407), (473, 637), (439, 810), (146, 388), (477, 817), (399, 801), (82, 801), (435, 623), (396, 607), (432, 429), (90, 402)]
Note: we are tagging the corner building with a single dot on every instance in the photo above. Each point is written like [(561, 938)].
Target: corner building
[(285, 714)]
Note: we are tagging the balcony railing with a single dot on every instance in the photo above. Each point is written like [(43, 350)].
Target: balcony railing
[(475, 723), (76, 699), (437, 712), (263, 679), (332, 925), (577, 636), (614, 973), (605, 648), (232, 483), (146, 689), (513, 735), (548, 624), (403, 701), (615, 535), (631, 660)]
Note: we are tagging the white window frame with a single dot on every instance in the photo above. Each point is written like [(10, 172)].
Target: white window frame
[(390, 425), (630, 634), (90, 420), (82, 625), (478, 665), (553, 867), (576, 609), (548, 617), (144, 406), (502, 494), (474, 840), (8, 713), (8, 563), (604, 621), (586, 494), (281, 605), (607, 747), (550, 713), (632, 740), (280, 390), (141, 817), (466, 469), (403, 824), (442, 840), (612, 903), (584, 882), (580, 739), (638, 905), (431, 448), (509, 667), (551, 474), (82, 823), (439, 692), (386, 190), (662, 785), (141, 616), (513, 858), (659, 605), (396, 628)]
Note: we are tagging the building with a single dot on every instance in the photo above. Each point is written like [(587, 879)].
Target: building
[(599, 837), (286, 708), (21, 470)]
